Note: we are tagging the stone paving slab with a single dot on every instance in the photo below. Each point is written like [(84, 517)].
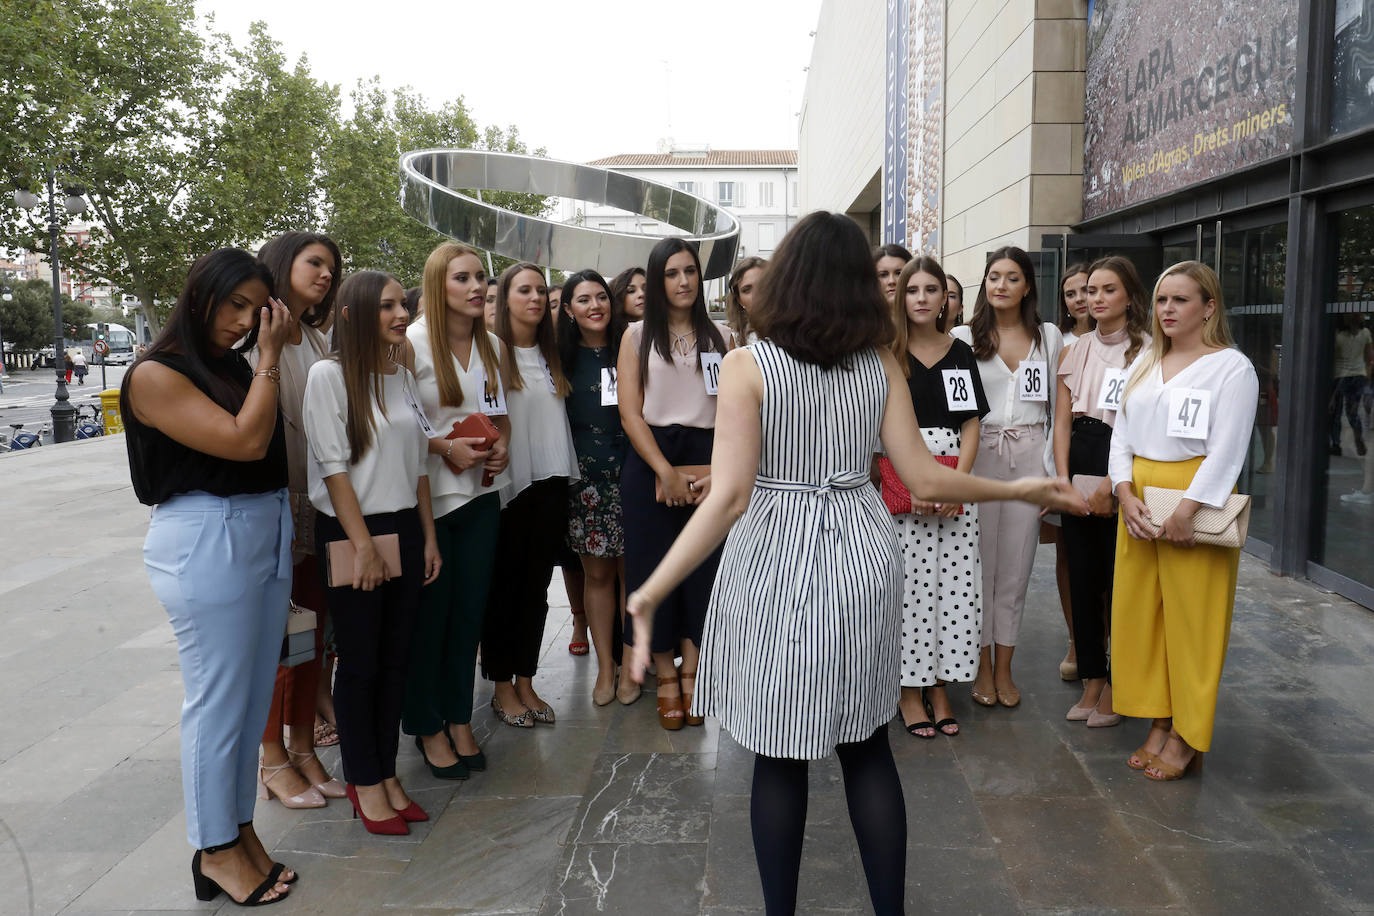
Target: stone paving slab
[(607, 813)]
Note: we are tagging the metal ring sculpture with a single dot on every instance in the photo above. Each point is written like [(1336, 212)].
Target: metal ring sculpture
[(430, 193)]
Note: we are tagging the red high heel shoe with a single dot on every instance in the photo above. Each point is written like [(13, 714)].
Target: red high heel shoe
[(412, 813), (392, 826)]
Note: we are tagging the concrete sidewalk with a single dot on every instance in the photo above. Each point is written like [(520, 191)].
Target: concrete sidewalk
[(605, 812)]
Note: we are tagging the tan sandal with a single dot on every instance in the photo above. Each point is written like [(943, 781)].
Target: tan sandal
[(667, 705), (1168, 772), (685, 679)]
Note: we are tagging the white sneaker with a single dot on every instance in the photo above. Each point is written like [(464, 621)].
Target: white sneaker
[(1359, 496)]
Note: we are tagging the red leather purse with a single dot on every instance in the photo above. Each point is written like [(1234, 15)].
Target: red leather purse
[(476, 426), (896, 496)]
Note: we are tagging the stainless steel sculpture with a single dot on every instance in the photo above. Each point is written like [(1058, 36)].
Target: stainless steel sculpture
[(433, 181)]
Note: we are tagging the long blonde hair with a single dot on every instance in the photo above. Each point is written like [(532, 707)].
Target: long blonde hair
[(434, 298), (1216, 332)]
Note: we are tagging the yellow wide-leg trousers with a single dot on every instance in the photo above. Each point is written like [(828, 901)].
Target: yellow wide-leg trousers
[(1171, 619)]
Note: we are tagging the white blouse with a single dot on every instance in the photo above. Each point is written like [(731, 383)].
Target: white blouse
[(1142, 424), (541, 442), (386, 475), (449, 490), (1002, 386)]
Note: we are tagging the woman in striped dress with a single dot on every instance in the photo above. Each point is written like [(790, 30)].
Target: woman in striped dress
[(801, 648)]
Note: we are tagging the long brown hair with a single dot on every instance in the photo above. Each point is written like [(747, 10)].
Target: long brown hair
[(983, 326), (1137, 309), (919, 264), (433, 294), (543, 334), (1067, 321), (279, 255), (359, 352), (1216, 333), (654, 332), (735, 315)]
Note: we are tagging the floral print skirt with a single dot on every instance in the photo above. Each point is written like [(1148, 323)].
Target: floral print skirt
[(595, 526)]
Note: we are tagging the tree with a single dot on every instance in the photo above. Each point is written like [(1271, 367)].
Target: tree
[(26, 321), (362, 176), (182, 142)]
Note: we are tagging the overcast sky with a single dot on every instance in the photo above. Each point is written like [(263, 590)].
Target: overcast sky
[(584, 78)]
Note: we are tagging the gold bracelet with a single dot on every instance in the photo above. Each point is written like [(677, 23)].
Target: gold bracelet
[(272, 374)]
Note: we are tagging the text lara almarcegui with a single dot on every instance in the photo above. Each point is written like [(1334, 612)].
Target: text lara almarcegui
[(1156, 99)]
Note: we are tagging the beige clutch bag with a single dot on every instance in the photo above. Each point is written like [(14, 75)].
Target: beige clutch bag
[(1220, 527), (1087, 484), (340, 555)]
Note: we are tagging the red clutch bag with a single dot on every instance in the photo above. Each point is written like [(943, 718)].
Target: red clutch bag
[(476, 426), (897, 497)]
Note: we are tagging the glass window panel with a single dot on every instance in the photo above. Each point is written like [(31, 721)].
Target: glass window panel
[(1352, 92), (1345, 497), (1252, 283)]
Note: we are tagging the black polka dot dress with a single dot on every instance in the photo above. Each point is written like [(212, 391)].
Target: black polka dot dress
[(942, 587)]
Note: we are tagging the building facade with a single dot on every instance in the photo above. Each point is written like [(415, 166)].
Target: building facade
[(1236, 132), (758, 187)]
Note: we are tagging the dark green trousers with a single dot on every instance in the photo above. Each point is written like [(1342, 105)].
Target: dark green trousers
[(443, 655)]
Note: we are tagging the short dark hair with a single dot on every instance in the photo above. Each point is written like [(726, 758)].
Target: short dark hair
[(819, 298), (280, 253)]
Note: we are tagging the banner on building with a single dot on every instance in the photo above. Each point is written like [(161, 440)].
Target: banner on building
[(925, 125), (895, 123), (1179, 92)]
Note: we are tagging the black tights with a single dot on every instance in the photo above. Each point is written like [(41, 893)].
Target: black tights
[(777, 813)]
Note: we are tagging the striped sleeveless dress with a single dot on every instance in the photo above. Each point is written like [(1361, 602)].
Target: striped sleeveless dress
[(802, 644)]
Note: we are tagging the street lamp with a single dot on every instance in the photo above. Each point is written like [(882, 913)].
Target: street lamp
[(6, 295), (63, 413)]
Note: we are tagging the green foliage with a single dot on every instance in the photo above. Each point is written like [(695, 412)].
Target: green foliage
[(185, 143), (362, 177), (27, 320)]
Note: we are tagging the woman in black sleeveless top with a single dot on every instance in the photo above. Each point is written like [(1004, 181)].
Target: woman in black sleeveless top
[(208, 453)]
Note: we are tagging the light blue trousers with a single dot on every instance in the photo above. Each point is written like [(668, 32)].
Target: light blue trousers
[(222, 568)]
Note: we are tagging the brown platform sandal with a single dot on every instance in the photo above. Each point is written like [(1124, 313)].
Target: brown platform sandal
[(685, 680), (667, 705)]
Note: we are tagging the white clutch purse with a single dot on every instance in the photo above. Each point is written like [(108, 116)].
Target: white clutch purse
[(1225, 526)]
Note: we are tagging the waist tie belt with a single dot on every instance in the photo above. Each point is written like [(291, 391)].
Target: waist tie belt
[(819, 518), (999, 437)]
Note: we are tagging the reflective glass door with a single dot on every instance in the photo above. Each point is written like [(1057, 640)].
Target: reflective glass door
[(1344, 508)]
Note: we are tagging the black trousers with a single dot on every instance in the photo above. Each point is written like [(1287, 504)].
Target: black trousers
[(1090, 544), (533, 526), (650, 529), (372, 631)]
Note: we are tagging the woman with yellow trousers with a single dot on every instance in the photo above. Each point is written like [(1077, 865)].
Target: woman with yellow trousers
[(1184, 425)]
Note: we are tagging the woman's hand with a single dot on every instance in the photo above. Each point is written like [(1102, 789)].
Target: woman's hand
[(274, 324), (949, 510), (1100, 503), (368, 569), (433, 562), (699, 489), (462, 453), (497, 458), (1178, 527), (641, 609), (674, 486), (1136, 515), (1055, 494), (922, 507)]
